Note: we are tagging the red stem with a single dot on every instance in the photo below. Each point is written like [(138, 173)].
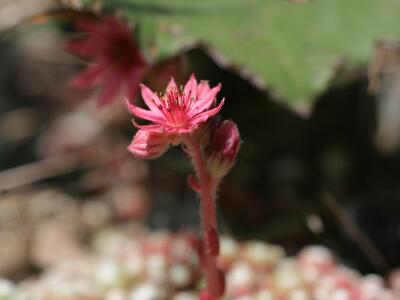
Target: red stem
[(208, 187)]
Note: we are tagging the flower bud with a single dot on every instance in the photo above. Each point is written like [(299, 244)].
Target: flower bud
[(223, 149), (148, 145), (205, 131)]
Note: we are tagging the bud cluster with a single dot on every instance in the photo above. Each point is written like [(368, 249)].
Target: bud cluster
[(221, 142)]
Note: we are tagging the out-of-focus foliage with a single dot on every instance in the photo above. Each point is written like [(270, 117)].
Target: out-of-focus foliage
[(292, 47)]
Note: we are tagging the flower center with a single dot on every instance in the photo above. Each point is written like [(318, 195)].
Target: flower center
[(123, 53), (175, 106)]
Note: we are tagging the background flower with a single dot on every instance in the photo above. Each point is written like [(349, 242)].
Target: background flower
[(116, 63)]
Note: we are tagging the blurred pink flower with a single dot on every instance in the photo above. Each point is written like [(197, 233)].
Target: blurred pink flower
[(116, 63), (177, 111)]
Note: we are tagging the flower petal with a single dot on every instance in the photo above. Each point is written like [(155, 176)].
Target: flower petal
[(88, 77), (150, 128), (211, 93), (149, 97), (202, 89), (144, 114), (205, 102), (190, 89), (81, 47), (202, 117), (171, 85), (111, 87)]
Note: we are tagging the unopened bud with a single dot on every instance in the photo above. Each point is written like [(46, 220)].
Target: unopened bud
[(148, 145), (223, 149), (206, 130)]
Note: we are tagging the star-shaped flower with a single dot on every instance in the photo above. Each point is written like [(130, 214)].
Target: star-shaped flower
[(116, 63), (177, 111)]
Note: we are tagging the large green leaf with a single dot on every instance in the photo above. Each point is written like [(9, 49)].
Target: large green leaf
[(292, 47)]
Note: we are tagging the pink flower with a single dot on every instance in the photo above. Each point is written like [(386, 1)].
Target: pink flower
[(178, 111), (116, 61), (148, 145)]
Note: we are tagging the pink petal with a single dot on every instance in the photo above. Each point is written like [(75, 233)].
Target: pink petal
[(88, 77), (191, 87), (143, 153), (202, 117), (202, 89), (171, 85), (205, 102), (112, 85), (144, 114), (148, 97), (80, 47), (211, 93), (150, 128)]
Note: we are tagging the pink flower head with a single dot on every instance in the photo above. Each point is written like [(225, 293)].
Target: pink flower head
[(116, 61), (178, 111)]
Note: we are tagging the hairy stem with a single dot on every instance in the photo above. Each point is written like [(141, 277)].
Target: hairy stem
[(208, 187)]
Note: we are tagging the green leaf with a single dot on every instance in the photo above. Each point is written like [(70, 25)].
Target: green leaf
[(292, 47)]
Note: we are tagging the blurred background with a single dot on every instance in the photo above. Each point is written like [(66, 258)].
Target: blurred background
[(314, 87)]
